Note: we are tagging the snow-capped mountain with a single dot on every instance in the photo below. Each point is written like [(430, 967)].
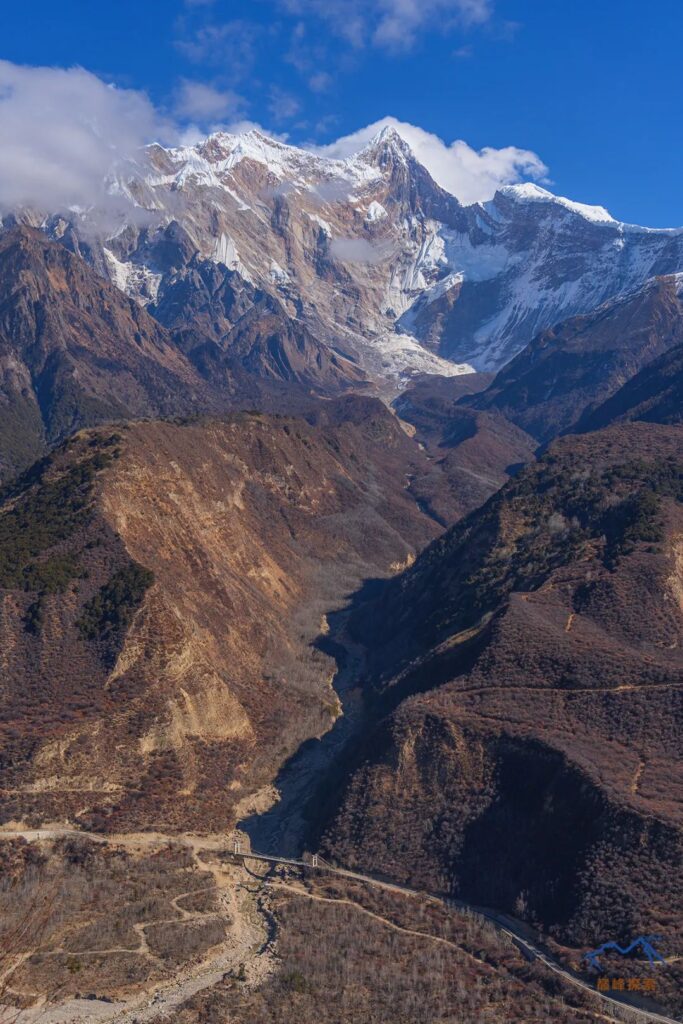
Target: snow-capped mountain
[(377, 260)]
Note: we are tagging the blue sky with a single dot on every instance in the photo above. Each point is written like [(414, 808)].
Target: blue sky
[(594, 88)]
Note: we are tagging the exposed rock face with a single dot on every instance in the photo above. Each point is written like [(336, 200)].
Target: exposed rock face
[(538, 763), (313, 233), (75, 351), (162, 590), (238, 335), (553, 385), (376, 259)]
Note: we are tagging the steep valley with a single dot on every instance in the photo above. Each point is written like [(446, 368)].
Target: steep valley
[(278, 573), (160, 613), (175, 596)]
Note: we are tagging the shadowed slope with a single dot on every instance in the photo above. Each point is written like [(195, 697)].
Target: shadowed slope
[(538, 765), (568, 370)]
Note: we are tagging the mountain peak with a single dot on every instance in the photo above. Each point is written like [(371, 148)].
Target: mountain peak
[(247, 143), (528, 192), (389, 134), (387, 142)]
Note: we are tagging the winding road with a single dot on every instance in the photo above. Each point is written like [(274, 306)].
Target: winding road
[(502, 924), (204, 977)]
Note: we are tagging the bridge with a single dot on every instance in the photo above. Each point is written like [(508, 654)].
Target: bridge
[(504, 925)]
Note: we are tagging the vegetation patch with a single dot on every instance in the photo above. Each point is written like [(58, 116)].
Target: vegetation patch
[(558, 509), (108, 614), (74, 916), (43, 508), (363, 956)]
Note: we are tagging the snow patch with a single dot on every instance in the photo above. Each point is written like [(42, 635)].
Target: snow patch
[(375, 212), (530, 193), (134, 279), (475, 262), (320, 222), (399, 357), (277, 274), (225, 252), (443, 286)]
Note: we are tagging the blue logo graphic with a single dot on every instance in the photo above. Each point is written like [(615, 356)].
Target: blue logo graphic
[(645, 942)]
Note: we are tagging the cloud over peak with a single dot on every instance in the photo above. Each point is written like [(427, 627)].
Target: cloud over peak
[(62, 130), (65, 130), (471, 175)]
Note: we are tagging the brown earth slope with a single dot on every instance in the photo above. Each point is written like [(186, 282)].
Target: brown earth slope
[(537, 766), (162, 590)]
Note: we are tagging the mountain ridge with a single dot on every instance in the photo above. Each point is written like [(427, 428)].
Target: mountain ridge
[(558, 382), (380, 262)]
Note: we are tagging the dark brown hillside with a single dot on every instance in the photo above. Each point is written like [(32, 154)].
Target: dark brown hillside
[(75, 351), (537, 768), (588, 494), (569, 370), (473, 452), (655, 395), (160, 593)]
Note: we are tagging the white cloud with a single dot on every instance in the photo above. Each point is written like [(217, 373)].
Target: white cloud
[(471, 175), (321, 81), (197, 100), (357, 250), (391, 24), (62, 131), (401, 20), (282, 105), (231, 46)]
